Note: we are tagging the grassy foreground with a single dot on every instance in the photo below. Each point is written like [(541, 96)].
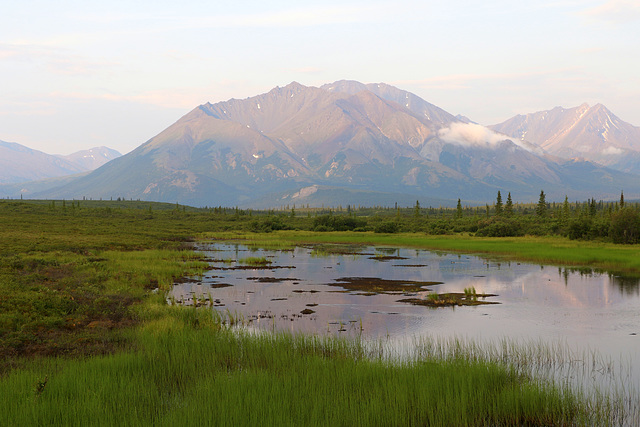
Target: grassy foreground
[(186, 370), (86, 338)]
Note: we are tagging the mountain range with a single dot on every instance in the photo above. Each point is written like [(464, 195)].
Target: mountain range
[(591, 133), (21, 164), (346, 142)]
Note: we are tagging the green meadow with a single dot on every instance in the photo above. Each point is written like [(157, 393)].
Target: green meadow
[(87, 336)]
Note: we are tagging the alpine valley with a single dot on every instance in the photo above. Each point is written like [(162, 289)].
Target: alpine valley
[(351, 143)]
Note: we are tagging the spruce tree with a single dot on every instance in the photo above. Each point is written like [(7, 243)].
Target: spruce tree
[(499, 204), (459, 210), (541, 208), (565, 209), (508, 207)]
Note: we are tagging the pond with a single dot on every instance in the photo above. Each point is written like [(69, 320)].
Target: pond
[(372, 291)]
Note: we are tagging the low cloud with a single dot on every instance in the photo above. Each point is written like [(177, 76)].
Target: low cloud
[(470, 134), (612, 151), (474, 135), (54, 59)]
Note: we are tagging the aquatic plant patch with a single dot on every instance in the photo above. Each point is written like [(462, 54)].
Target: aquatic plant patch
[(375, 285)]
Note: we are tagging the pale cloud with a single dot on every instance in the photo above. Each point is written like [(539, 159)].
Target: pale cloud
[(184, 98), (613, 150), (615, 11), (592, 50), (56, 60), (464, 81), (471, 134), (289, 17), (306, 70), (170, 98), (27, 109)]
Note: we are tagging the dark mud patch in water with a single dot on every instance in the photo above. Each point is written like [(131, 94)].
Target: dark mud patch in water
[(219, 285), (320, 250), (410, 265), (386, 257), (273, 279), (253, 267), (210, 284), (376, 285)]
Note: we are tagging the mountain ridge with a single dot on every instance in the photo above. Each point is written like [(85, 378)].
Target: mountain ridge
[(19, 163), (346, 136), (591, 133)]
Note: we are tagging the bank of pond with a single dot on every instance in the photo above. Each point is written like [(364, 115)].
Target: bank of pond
[(187, 369), (197, 359), (97, 329)]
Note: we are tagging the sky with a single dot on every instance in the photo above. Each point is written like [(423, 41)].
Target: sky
[(76, 74)]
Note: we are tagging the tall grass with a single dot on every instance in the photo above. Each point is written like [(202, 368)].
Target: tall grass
[(188, 370), (604, 384)]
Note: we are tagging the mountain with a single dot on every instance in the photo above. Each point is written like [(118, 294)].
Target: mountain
[(591, 133), (344, 140), (21, 164), (92, 158)]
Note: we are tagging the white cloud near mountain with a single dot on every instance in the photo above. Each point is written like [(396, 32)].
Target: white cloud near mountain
[(470, 134), (613, 150), (474, 135)]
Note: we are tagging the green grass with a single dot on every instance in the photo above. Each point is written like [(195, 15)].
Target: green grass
[(186, 370), (260, 261), (86, 337)]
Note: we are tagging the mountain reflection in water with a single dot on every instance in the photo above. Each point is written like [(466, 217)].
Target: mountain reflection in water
[(583, 308)]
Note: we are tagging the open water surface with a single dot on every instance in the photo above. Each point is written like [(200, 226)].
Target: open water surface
[(585, 310)]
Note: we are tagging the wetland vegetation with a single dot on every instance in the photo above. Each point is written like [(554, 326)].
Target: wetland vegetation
[(86, 336)]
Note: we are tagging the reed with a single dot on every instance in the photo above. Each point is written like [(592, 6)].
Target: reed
[(186, 361), (259, 261)]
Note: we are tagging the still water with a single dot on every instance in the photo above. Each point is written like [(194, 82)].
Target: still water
[(582, 309)]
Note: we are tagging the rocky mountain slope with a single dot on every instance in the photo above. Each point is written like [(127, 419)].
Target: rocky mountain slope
[(345, 137), (591, 133)]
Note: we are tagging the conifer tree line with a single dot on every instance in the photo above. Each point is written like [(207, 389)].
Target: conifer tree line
[(615, 221), (608, 221)]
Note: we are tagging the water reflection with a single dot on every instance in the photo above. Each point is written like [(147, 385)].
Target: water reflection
[(300, 291), (627, 285)]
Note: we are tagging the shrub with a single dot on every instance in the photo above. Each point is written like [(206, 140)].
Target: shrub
[(386, 227), (267, 224), (625, 226), (579, 228), (337, 223), (499, 227), (440, 226)]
